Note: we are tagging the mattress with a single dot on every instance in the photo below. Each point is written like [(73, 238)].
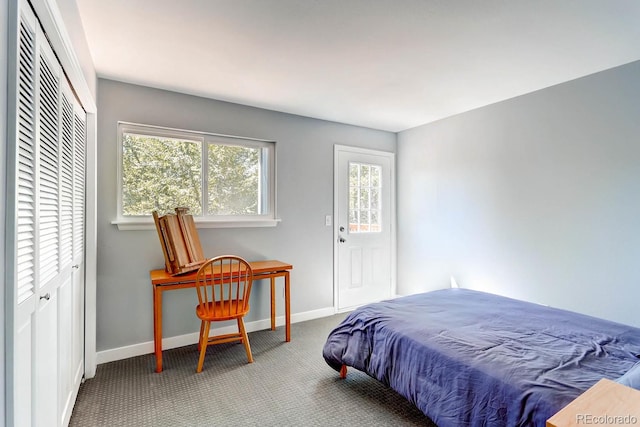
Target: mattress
[(468, 358)]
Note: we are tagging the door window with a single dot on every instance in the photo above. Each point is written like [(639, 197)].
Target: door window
[(365, 186)]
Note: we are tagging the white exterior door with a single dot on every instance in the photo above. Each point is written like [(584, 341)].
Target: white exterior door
[(364, 226), (45, 233)]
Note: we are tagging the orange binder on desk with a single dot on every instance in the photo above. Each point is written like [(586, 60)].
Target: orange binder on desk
[(180, 242)]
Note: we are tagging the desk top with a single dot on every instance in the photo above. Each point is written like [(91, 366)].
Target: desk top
[(161, 277), (606, 403)]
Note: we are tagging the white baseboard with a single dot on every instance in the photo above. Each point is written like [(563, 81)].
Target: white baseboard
[(134, 350)]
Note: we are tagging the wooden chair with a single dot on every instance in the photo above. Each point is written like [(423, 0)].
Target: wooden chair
[(224, 285)]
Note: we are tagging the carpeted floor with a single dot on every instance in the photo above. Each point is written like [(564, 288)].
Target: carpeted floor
[(289, 384)]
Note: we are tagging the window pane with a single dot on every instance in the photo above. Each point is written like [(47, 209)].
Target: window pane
[(233, 180), (375, 199), (364, 198), (353, 221), (353, 198), (375, 221), (354, 173), (160, 174), (364, 220), (364, 176), (375, 176)]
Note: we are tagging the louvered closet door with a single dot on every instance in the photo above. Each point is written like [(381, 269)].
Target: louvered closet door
[(75, 341), (65, 291), (48, 238), (24, 295), (71, 290), (47, 168)]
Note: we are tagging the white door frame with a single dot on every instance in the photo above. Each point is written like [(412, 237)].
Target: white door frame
[(357, 150)]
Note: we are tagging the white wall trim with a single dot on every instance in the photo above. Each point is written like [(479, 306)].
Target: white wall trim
[(4, 118), (148, 224), (140, 349), (91, 248)]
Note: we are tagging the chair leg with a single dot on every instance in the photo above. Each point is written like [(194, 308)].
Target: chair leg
[(245, 339), (204, 338), (200, 336)]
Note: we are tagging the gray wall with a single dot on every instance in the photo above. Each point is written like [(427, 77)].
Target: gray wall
[(305, 196), (73, 24), (537, 197)]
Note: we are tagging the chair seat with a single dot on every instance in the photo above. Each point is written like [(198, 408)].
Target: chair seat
[(221, 307)]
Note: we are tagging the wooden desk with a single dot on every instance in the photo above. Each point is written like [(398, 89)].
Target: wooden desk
[(606, 403), (162, 281)]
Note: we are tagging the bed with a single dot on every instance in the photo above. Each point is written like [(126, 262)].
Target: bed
[(468, 358)]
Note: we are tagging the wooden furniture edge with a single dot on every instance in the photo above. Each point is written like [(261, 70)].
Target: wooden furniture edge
[(162, 277), (605, 403)]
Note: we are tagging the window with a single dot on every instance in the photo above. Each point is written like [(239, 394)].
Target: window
[(365, 185), (223, 180)]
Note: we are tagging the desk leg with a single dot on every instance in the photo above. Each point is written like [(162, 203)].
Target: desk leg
[(273, 303), (157, 326), (287, 307)]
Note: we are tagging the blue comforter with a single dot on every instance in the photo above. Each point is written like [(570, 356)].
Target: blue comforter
[(468, 358)]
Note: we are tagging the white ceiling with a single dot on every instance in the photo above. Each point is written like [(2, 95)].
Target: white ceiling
[(383, 64)]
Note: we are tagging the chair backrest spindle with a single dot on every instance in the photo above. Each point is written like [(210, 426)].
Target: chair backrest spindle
[(224, 286)]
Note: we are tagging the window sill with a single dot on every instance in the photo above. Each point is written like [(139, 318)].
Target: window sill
[(148, 224)]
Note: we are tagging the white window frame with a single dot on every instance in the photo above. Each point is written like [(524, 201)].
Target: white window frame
[(145, 222)]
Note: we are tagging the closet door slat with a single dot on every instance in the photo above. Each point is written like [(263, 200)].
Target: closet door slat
[(26, 152), (49, 222)]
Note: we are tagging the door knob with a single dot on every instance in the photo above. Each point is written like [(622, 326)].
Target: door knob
[(45, 296)]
